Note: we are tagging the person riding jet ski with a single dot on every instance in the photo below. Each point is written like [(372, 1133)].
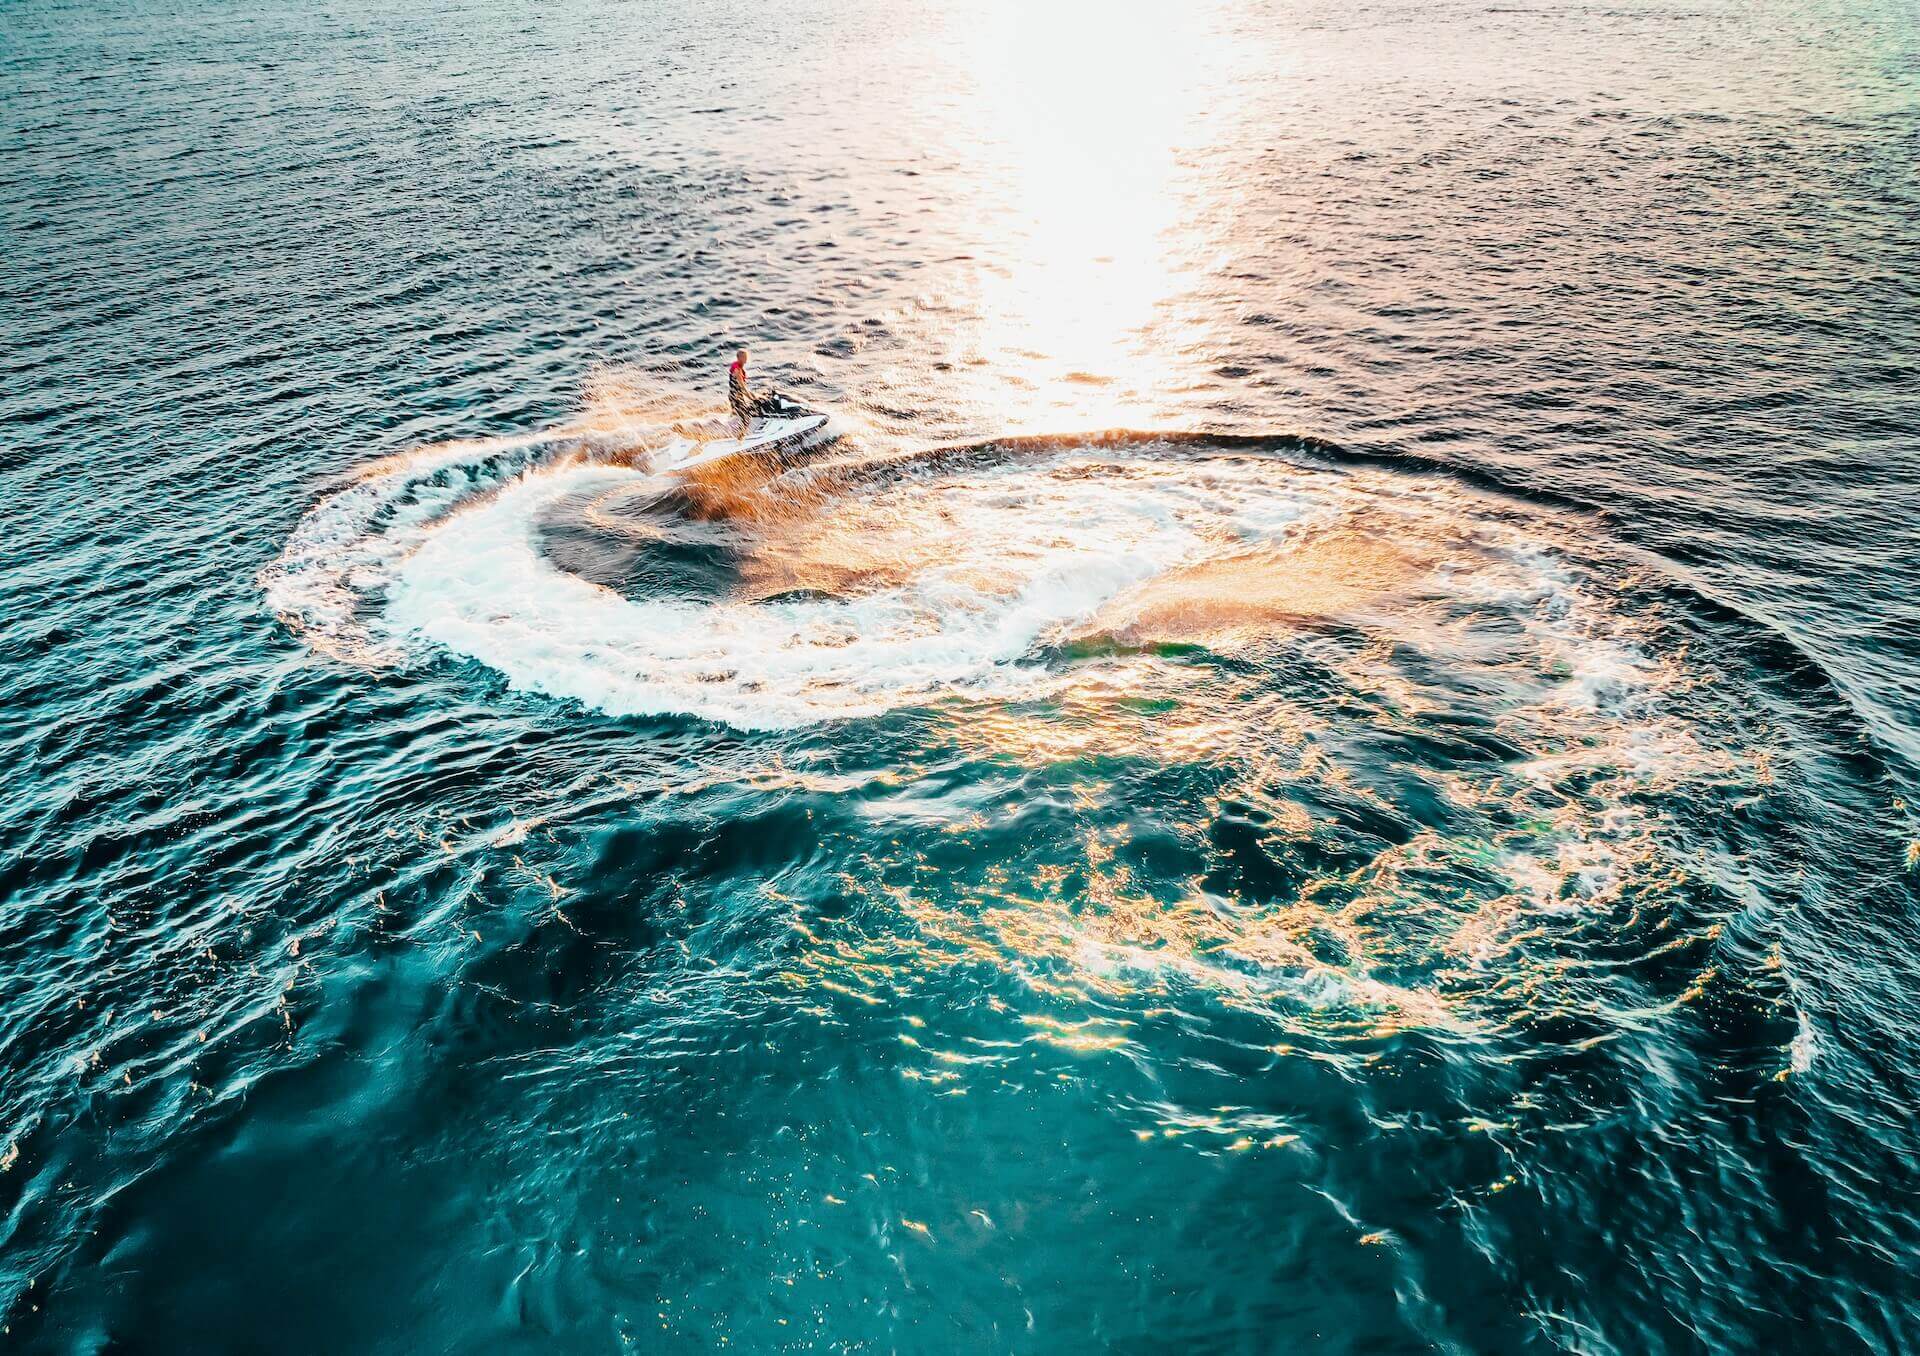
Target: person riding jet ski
[(739, 394), (747, 406)]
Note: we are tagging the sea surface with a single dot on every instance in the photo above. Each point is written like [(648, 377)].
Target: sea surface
[(1327, 763)]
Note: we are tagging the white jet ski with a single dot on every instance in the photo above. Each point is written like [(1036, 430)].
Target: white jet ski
[(781, 426)]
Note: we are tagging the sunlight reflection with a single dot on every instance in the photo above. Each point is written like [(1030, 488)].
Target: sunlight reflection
[(1093, 114)]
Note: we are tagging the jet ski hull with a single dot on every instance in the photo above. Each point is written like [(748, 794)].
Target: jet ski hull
[(782, 427)]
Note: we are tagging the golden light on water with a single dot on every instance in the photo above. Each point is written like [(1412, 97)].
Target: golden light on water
[(1091, 117)]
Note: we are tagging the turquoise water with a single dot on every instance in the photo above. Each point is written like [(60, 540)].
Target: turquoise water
[(1326, 764)]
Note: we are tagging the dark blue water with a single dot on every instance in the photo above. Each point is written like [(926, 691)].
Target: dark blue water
[(1409, 847)]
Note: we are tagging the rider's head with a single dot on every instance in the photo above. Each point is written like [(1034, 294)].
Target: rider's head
[(740, 355)]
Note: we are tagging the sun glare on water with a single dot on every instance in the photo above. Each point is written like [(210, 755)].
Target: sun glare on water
[(1091, 120)]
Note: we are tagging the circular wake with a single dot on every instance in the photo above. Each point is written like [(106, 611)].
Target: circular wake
[(1477, 709), (1174, 740), (788, 598)]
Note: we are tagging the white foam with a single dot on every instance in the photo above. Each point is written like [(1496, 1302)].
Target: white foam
[(342, 552), (478, 585), (441, 551), (1800, 1054)]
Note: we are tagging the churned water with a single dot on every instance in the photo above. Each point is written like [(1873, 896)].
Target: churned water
[(1326, 764)]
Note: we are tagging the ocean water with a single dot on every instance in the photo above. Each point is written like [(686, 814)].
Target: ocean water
[(1326, 764)]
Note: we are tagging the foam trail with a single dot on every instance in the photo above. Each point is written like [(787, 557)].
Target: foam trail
[(345, 547), (327, 583), (480, 586), (903, 591)]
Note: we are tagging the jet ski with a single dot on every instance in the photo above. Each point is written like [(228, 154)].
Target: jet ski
[(780, 425)]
